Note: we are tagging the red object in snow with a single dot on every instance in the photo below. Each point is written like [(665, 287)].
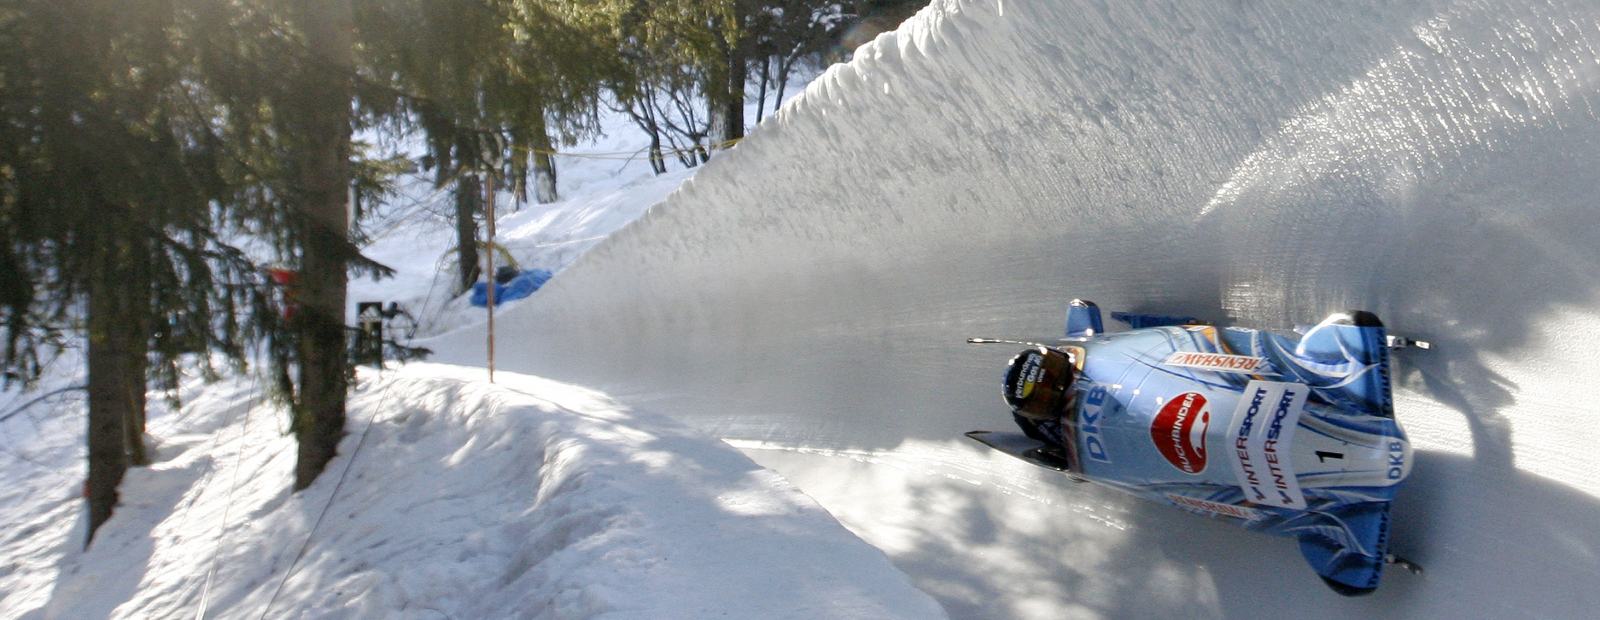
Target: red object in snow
[(285, 279)]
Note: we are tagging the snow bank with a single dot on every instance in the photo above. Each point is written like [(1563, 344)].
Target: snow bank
[(452, 497)]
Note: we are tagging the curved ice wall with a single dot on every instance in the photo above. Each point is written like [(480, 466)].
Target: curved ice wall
[(1260, 162)]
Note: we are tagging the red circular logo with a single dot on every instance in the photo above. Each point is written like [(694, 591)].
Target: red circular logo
[(1179, 432)]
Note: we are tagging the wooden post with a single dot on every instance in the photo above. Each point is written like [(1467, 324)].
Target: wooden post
[(488, 208)]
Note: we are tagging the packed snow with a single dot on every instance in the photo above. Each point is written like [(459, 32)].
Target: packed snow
[(453, 497)]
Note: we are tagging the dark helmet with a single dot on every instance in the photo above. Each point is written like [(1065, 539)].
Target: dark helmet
[(1038, 384)]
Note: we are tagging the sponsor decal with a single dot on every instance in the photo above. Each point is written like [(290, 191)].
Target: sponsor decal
[(1218, 362), (1397, 461), (1260, 434), (1179, 431), (1031, 369), (1227, 510), (1089, 423)]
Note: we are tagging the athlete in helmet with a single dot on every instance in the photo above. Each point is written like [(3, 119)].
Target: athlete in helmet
[(1038, 386)]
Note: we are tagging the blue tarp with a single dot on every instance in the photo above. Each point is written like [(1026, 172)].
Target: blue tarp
[(521, 286)]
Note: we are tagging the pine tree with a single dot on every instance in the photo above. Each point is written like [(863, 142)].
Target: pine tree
[(110, 183), (476, 73)]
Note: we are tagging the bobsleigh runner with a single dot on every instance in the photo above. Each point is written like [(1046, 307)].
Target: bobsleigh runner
[(1289, 436)]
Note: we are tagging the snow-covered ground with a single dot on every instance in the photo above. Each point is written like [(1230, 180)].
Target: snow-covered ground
[(452, 497)]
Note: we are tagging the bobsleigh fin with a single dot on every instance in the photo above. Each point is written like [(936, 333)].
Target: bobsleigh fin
[(1349, 554), (1083, 319), (1140, 321)]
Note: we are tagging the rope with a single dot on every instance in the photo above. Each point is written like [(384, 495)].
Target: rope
[(222, 530), (419, 207), (633, 154), (22, 457), (552, 243), (24, 406), (306, 544)]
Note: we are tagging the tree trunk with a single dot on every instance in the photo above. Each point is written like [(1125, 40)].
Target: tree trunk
[(783, 78), (116, 376), (138, 455), (137, 324), (469, 195), (658, 162), (784, 67), (325, 98), (544, 179), (646, 122), (544, 165), (725, 100), (761, 97)]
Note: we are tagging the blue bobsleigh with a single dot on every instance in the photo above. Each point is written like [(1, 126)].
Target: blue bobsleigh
[(1289, 436)]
